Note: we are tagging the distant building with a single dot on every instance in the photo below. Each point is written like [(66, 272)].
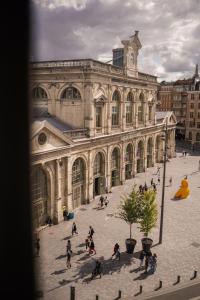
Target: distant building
[(94, 126), (183, 97)]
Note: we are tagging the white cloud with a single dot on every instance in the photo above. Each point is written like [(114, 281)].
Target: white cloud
[(169, 32)]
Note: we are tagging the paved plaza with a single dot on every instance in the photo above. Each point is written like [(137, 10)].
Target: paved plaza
[(179, 253)]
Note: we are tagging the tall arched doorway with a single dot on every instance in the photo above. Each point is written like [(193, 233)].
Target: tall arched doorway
[(150, 153), (39, 197), (115, 167), (78, 182), (99, 174), (140, 157), (128, 161)]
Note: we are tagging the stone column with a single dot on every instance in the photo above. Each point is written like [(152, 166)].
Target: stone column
[(89, 109), (109, 111), (122, 175), (59, 175), (90, 178), (108, 168), (69, 184), (123, 114), (145, 154)]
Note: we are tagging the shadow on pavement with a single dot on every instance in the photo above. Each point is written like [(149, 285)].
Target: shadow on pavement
[(109, 266), (81, 245), (61, 283), (59, 272), (61, 256)]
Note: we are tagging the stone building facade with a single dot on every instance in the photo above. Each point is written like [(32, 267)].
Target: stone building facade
[(94, 126), (184, 96)]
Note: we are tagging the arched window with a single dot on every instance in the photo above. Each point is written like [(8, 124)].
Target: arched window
[(129, 108), (39, 93), (39, 184), (98, 164), (130, 97), (71, 93), (198, 136), (78, 171), (115, 108), (190, 135), (129, 153), (115, 159), (116, 96), (140, 149)]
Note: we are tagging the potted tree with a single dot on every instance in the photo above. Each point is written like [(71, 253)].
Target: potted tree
[(130, 208), (148, 217)]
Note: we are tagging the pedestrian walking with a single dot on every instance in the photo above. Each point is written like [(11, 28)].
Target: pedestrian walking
[(145, 187), (141, 257), (153, 263), (117, 254), (151, 181), (154, 187), (147, 261), (87, 243), (91, 232), (146, 264), (49, 221), (97, 270), (116, 248), (69, 246), (74, 228), (92, 247), (68, 259), (170, 181), (158, 171), (106, 201), (101, 201), (159, 179), (140, 189), (65, 213), (37, 246)]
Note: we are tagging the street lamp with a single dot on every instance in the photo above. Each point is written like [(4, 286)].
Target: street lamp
[(163, 184)]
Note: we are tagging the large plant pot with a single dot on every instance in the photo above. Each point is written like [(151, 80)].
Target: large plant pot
[(130, 245), (146, 244)]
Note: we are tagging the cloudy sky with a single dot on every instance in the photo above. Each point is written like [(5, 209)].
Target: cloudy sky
[(169, 31)]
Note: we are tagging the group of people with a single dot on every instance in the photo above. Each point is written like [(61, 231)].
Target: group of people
[(103, 201), (150, 261)]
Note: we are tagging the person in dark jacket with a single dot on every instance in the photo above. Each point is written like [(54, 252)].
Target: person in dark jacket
[(74, 228), (141, 257)]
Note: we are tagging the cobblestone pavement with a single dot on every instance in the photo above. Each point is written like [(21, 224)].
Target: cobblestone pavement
[(179, 253)]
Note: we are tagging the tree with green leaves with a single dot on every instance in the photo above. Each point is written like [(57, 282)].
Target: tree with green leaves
[(149, 212), (130, 208)]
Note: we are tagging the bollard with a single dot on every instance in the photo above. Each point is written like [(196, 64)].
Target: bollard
[(72, 293), (97, 297), (194, 276), (140, 289), (119, 294)]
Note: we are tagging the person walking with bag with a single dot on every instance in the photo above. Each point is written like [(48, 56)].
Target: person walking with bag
[(92, 247)]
